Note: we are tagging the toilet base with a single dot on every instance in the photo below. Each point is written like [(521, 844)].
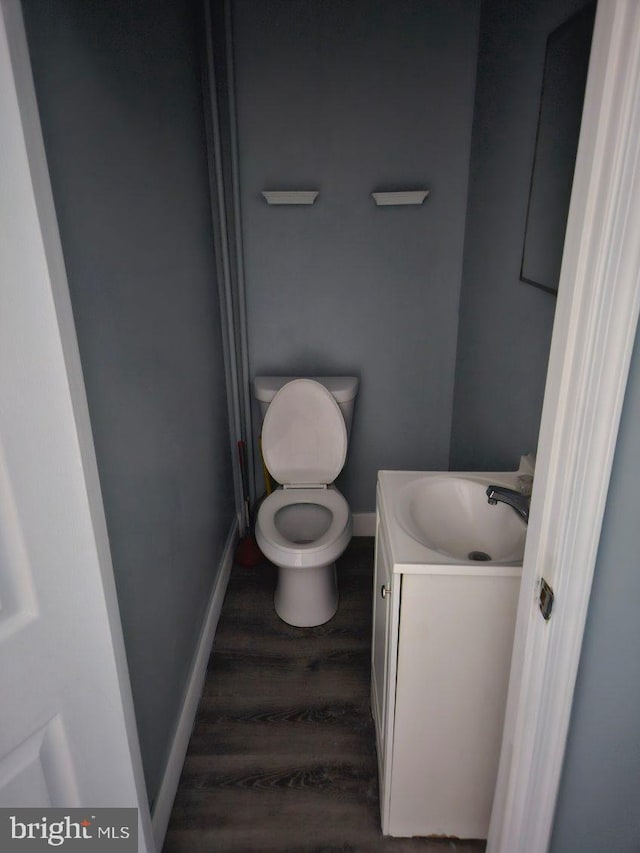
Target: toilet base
[(308, 596)]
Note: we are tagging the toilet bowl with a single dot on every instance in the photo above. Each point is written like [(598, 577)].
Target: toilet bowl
[(305, 524), (303, 532)]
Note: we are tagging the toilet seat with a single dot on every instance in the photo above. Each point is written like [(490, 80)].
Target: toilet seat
[(304, 437), (327, 548)]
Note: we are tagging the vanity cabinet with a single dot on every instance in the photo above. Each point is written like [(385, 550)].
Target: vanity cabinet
[(441, 651)]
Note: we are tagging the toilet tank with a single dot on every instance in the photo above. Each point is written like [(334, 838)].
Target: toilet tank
[(343, 388)]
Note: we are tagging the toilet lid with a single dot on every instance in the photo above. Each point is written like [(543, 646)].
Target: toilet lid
[(304, 437)]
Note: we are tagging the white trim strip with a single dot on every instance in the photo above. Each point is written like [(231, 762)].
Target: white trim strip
[(240, 304), (171, 777), (223, 264)]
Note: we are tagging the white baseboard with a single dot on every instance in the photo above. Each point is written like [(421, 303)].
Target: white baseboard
[(169, 785), (364, 523)]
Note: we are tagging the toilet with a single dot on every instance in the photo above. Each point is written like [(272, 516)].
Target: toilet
[(305, 524)]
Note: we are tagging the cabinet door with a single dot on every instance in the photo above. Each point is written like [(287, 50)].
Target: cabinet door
[(379, 645)]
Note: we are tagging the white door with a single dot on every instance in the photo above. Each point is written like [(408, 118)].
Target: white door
[(67, 730), (594, 331)]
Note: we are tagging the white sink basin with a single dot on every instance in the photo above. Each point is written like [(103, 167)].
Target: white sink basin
[(451, 515)]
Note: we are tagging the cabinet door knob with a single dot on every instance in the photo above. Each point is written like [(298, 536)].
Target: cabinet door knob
[(385, 590)]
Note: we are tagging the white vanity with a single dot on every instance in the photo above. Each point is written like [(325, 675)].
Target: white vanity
[(447, 577)]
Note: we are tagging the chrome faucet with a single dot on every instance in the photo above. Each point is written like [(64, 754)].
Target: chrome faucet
[(514, 499)]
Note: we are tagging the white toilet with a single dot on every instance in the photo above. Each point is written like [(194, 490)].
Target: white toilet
[(304, 526)]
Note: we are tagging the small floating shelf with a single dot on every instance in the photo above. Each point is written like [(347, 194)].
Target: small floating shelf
[(400, 197), (290, 196)]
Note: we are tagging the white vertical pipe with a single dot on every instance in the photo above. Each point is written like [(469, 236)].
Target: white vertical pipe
[(241, 317), (218, 207)]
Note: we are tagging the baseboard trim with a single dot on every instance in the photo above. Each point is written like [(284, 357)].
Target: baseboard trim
[(364, 523), (169, 785)]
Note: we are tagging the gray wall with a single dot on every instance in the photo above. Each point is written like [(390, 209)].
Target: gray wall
[(346, 98), (118, 86), (597, 807), (505, 325)]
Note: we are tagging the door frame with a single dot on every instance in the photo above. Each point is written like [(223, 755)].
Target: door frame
[(593, 336), (58, 333)]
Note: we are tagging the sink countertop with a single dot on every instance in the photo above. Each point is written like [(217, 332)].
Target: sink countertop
[(410, 556)]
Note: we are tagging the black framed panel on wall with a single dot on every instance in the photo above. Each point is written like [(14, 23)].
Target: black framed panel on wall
[(563, 86)]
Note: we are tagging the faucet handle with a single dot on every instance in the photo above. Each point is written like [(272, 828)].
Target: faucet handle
[(525, 484)]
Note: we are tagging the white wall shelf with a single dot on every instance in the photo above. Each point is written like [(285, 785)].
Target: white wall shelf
[(290, 196), (400, 197)]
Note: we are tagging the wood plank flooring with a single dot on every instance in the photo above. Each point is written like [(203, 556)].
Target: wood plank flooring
[(282, 757)]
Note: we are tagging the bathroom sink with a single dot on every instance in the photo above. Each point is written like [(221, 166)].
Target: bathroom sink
[(451, 515)]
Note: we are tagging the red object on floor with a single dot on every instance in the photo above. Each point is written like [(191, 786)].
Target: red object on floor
[(247, 553)]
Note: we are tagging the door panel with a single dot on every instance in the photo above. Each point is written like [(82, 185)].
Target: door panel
[(38, 772)]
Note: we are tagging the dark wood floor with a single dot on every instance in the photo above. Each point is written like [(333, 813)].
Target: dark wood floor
[(282, 756)]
